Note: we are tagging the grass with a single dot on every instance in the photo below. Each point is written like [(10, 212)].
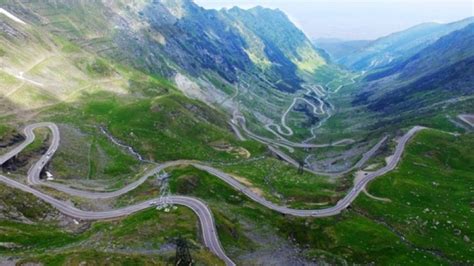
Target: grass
[(99, 68), (66, 46), (328, 73), (149, 86), (8, 79), (93, 257), (190, 181), (149, 228), (31, 97), (45, 241), (34, 237), (371, 231), (431, 195), (148, 190), (86, 154), (5, 131), (17, 205), (42, 137), (167, 127), (281, 182), (221, 84)]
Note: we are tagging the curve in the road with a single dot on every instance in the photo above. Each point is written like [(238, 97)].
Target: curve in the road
[(318, 110), (240, 120), (33, 175), (205, 216), (209, 234), (210, 237), (284, 130)]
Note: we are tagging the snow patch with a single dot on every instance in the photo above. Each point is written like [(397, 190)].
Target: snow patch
[(11, 16)]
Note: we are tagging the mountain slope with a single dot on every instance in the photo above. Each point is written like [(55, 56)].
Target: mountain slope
[(286, 42), (117, 77), (338, 49), (45, 75), (223, 58), (442, 71), (400, 45)]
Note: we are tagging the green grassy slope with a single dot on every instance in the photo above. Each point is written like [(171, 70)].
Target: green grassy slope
[(85, 87), (401, 231), (431, 195), (400, 45), (53, 240), (164, 128)]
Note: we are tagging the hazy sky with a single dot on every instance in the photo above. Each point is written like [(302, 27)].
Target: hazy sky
[(358, 19)]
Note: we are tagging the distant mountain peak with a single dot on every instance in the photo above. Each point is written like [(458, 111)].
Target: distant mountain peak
[(400, 45), (179, 8)]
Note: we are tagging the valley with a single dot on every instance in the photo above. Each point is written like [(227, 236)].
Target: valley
[(128, 128)]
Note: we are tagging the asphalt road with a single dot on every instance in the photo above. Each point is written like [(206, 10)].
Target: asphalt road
[(318, 110), (331, 211), (205, 216), (322, 94), (30, 137), (467, 118), (206, 219), (365, 157), (240, 120)]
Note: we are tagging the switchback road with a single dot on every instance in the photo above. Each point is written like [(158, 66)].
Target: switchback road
[(202, 211)]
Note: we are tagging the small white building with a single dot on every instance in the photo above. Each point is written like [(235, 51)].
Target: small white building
[(49, 176)]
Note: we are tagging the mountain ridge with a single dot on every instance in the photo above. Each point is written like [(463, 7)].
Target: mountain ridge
[(399, 45), (440, 69)]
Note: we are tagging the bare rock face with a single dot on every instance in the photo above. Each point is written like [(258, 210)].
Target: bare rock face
[(11, 32), (11, 140), (17, 208)]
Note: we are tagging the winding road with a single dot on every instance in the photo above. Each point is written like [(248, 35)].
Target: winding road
[(239, 120), (467, 118), (318, 110), (322, 94), (203, 212), (200, 208)]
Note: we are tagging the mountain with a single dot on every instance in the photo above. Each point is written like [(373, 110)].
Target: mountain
[(287, 42), (137, 87), (442, 71), (338, 49), (207, 54), (399, 46), (71, 53)]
